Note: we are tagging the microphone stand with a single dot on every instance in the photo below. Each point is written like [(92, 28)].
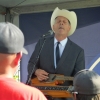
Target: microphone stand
[(34, 64)]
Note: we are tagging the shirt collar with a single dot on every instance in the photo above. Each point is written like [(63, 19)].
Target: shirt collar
[(63, 42)]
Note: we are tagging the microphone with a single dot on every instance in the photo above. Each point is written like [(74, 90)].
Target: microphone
[(50, 32)]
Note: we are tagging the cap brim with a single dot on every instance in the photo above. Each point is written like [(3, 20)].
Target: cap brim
[(72, 89), (24, 51)]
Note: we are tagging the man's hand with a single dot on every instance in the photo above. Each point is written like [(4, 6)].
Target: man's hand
[(41, 74)]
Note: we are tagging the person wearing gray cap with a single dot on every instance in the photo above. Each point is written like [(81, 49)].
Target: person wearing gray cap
[(86, 85), (11, 49)]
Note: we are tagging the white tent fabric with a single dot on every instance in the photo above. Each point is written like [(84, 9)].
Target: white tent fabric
[(2, 18)]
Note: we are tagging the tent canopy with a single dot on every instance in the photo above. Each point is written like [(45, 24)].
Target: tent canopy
[(31, 6)]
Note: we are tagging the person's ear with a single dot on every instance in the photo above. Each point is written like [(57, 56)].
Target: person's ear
[(17, 59), (74, 96)]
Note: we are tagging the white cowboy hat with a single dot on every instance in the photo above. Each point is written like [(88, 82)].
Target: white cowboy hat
[(70, 15)]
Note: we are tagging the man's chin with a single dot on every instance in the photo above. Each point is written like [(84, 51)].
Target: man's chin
[(61, 32)]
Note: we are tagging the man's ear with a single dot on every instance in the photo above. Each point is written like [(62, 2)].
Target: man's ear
[(17, 59)]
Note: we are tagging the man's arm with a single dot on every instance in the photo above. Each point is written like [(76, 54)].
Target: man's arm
[(34, 64)]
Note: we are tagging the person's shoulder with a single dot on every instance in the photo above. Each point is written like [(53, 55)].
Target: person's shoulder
[(21, 90), (27, 87), (33, 92), (74, 44)]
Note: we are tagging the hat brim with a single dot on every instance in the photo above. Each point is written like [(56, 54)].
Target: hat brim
[(70, 15), (24, 51)]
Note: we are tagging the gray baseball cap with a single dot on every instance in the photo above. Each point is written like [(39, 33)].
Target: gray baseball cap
[(11, 39), (87, 82)]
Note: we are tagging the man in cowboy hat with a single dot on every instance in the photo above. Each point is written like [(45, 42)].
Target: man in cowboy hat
[(89, 89), (59, 54)]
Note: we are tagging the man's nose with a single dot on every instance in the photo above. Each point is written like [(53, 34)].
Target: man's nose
[(61, 23)]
